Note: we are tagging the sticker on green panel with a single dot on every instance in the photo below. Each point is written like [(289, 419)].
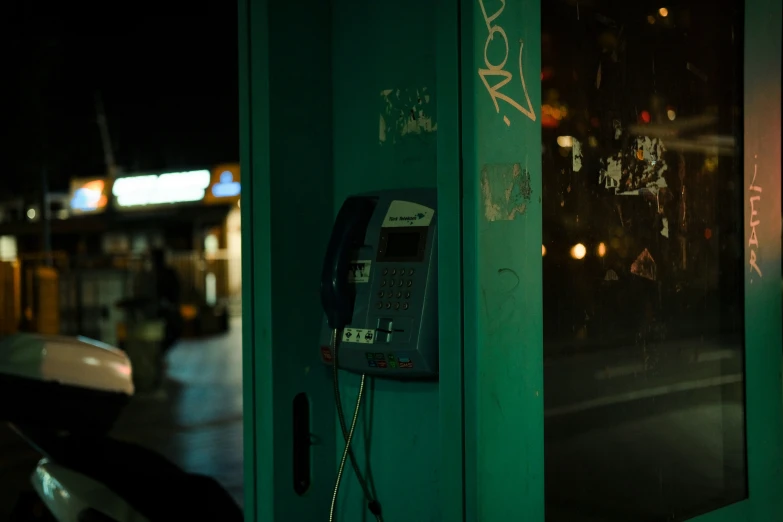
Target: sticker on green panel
[(359, 271), (359, 335)]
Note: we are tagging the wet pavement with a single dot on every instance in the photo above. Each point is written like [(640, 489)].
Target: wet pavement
[(196, 421)]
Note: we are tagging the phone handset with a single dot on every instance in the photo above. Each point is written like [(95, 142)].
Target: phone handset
[(338, 299), (337, 295)]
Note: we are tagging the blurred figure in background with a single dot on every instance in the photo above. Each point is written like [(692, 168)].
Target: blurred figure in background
[(167, 292)]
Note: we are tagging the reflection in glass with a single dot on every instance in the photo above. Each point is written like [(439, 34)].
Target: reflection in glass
[(643, 228)]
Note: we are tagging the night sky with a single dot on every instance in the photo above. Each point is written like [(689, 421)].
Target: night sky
[(168, 81)]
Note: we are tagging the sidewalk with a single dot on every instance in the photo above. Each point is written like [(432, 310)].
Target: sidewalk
[(197, 421)]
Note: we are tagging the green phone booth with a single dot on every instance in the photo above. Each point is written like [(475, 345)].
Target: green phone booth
[(608, 207)]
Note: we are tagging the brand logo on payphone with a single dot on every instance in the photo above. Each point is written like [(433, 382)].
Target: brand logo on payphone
[(414, 217), (407, 214)]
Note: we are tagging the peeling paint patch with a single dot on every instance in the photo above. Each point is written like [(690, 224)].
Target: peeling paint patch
[(576, 155), (637, 170), (618, 129), (405, 112), (505, 191)]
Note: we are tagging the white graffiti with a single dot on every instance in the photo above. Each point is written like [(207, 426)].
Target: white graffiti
[(753, 241), (498, 69)]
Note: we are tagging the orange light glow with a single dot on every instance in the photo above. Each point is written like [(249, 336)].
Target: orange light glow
[(543, 250), (122, 331), (548, 122), (578, 251), (97, 185), (89, 195), (645, 117), (188, 312), (663, 12), (601, 249)]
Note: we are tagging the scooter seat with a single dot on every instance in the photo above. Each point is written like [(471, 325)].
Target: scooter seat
[(62, 383), (151, 484)]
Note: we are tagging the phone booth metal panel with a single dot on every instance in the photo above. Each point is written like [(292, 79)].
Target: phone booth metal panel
[(610, 343), (345, 107)]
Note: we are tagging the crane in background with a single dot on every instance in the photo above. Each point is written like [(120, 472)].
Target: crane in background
[(103, 126)]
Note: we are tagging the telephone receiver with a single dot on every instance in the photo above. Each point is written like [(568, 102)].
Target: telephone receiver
[(337, 294)]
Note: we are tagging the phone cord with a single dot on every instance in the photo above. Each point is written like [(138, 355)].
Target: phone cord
[(372, 503), (346, 451)]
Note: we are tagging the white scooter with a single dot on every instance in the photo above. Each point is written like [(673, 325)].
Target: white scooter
[(65, 394)]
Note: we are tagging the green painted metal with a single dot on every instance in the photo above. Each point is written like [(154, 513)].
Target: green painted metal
[(502, 261), (311, 104), (450, 306), (286, 156), (763, 308), (384, 71)]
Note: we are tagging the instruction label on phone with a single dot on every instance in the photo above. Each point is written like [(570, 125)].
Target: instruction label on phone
[(359, 271), (359, 336)]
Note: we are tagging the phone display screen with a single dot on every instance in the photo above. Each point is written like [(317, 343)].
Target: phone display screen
[(402, 244)]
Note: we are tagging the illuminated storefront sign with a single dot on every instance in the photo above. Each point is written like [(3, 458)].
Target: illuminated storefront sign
[(88, 196), (225, 186), (161, 189)]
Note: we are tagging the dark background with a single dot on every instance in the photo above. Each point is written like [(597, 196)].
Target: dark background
[(168, 80)]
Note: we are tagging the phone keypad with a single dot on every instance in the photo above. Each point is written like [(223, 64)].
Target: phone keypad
[(395, 298)]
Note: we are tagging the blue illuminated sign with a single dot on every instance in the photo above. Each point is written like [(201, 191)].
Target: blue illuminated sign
[(227, 187), (89, 197)]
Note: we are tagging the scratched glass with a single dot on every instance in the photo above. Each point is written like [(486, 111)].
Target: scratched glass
[(643, 259)]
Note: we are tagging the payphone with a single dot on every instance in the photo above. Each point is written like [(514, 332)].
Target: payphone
[(379, 291), (379, 285)]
